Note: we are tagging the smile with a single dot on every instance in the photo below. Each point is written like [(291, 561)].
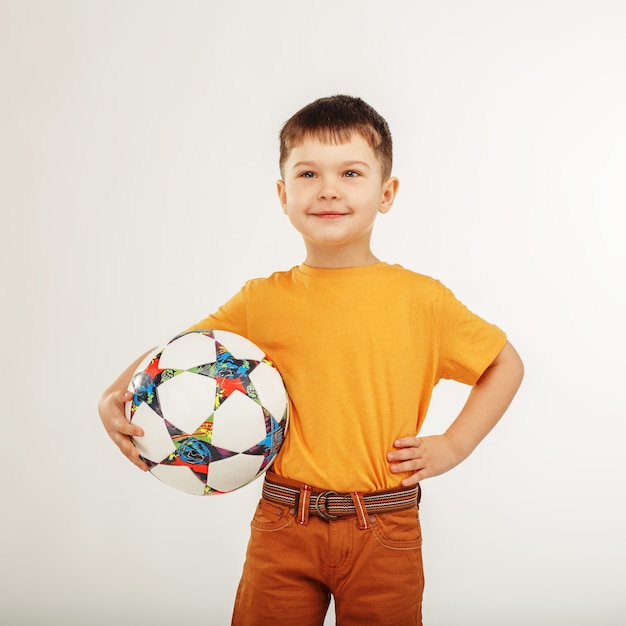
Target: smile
[(329, 215)]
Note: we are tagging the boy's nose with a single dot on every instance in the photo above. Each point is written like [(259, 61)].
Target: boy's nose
[(328, 191)]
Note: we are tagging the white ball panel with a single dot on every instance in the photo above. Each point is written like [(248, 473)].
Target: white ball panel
[(188, 351), (269, 385), (187, 400), (233, 472), (156, 444), (238, 346), (238, 424), (181, 478)]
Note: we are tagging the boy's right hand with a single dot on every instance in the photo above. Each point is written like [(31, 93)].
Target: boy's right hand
[(113, 416)]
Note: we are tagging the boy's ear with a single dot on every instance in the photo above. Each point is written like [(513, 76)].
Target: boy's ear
[(390, 189), (282, 194)]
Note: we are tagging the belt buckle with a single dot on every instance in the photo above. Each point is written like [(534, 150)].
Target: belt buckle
[(322, 501)]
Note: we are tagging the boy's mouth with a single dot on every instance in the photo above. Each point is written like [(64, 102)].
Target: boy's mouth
[(329, 215)]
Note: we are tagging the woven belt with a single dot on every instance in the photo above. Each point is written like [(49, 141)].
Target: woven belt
[(331, 505)]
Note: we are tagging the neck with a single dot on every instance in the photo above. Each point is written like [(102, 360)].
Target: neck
[(338, 259)]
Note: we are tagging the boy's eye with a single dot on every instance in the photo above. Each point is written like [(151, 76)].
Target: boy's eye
[(307, 174), (351, 174)]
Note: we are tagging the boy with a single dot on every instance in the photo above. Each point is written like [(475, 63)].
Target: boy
[(360, 345)]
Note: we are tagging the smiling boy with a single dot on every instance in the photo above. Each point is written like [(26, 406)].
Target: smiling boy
[(360, 345), (332, 194)]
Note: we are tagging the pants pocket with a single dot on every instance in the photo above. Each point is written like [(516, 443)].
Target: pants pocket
[(270, 517), (399, 530)]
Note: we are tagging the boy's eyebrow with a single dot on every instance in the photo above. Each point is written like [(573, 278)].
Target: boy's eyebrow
[(342, 164)]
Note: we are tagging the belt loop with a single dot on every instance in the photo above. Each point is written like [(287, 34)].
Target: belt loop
[(361, 511), (303, 505)]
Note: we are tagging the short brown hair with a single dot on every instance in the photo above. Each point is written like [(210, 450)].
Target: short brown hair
[(333, 120)]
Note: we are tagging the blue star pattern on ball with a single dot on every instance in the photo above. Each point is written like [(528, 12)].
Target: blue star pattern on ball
[(230, 373)]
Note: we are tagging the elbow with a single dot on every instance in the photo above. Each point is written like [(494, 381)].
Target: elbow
[(517, 365)]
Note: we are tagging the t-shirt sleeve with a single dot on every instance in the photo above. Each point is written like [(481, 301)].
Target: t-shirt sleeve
[(468, 343), (231, 316)]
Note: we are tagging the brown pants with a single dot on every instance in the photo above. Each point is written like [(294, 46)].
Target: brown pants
[(374, 574)]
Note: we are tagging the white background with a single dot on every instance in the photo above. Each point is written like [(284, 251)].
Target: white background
[(138, 149)]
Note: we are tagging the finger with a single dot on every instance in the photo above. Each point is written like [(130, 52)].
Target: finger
[(121, 423), (132, 454), (122, 397), (138, 462), (411, 480), (126, 428), (407, 442), (418, 476), (410, 466), (405, 454)]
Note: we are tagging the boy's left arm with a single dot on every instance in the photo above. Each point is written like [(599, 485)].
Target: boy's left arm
[(425, 457)]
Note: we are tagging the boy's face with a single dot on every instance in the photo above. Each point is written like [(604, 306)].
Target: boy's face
[(332, 194)]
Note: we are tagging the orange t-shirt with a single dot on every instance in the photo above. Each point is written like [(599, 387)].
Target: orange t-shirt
[(360, 350)]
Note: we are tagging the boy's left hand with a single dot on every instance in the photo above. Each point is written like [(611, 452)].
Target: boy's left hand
[(422, 457)]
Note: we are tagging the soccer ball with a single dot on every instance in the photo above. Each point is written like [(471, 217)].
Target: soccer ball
[(214, 411)]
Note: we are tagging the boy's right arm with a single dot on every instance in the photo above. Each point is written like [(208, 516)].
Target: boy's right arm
[(111, 410)]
